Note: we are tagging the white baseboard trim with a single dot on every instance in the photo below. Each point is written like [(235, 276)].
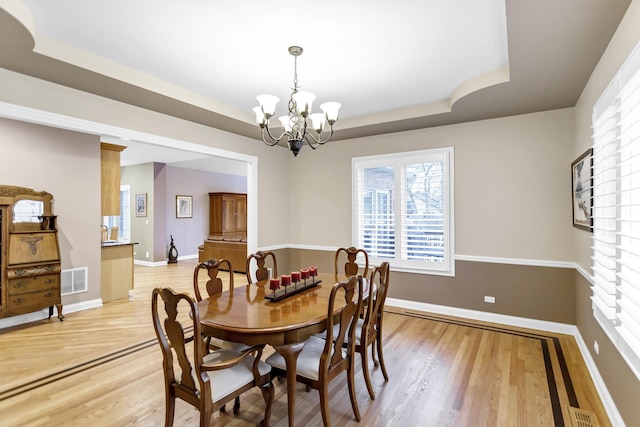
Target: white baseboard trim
[(603, 391), (522, 322), (164, 262), (44, 314)]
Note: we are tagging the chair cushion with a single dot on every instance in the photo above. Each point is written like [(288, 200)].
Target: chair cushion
[(228, 345), (226, 381), (308, 360)]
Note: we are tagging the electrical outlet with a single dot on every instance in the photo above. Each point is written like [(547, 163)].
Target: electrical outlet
[(146, 254), (491, 300), (596, 347)]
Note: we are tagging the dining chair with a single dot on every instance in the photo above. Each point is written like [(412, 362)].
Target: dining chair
[(320, 361), (262, 271), (214, 287), (351, 266), (369, 327), (205, 381)]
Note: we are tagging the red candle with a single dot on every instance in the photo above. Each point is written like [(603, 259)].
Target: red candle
[(304, 273), (295, 276), (313, 271), (286, 279), (274, 284)]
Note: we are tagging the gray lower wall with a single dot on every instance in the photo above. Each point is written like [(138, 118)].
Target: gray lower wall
[(541, 293), (622, 384)]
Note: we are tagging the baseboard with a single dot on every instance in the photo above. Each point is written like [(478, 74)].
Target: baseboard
[(521, 322), (44, 314), (163, 262)]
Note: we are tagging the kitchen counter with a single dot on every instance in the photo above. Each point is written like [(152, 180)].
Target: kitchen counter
[(116, 270)]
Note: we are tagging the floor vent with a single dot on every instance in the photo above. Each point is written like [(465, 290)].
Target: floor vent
[(582, 418), (74, 281)]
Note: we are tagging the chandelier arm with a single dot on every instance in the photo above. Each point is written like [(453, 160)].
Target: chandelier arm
[(274, 140), (318, 141)]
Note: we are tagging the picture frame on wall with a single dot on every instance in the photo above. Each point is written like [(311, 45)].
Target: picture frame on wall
[(141, 204), (184, 206), (582, 191)]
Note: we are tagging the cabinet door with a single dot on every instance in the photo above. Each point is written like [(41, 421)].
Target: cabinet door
[(241, 217), (229, 214)]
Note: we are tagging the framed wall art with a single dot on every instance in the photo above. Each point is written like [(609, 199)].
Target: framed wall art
[(141, 204), (184, 206), (582, 191)]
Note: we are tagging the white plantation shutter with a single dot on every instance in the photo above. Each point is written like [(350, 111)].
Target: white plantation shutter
[(616, 211), (403, 209)]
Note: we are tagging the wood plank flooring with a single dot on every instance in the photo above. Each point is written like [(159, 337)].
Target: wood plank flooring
[(102, 367)]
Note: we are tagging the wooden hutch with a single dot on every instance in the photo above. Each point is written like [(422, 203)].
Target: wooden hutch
[(227, 230), (29, 253)]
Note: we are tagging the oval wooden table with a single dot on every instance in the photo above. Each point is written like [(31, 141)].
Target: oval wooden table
[(246, 316)]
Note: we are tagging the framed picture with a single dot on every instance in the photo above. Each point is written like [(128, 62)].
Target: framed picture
[(184, 206), (582, 191), (141, 204)]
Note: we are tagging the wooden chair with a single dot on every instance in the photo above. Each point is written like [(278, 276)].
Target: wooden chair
[(369, 327), (262, 272), (320, 361), (206, 381), (351, 268), (214, 287)]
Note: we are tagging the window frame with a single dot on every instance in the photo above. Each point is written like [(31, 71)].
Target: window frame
[(397, 161)]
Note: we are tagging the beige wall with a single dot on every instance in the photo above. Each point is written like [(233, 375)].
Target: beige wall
[(619, 379), (67, 165), (512, 183)]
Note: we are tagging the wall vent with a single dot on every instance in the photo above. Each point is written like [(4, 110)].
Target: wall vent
[(582, 418), (74, 281)]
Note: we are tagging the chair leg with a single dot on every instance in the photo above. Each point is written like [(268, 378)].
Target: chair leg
[(205, 417), (268, 394), (169, 411), (379, 347), (365, 370), (324, 405), (236, 406), (352, 390)]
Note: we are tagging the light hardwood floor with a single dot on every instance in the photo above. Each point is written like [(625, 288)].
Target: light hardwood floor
[(102, 367)]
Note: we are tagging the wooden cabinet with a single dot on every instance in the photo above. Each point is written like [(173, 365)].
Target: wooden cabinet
[(228, 216), (227, 230), (110, 178), (29, 253)]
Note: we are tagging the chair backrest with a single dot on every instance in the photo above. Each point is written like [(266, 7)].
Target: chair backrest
[(342, 311), (214, 284), (173, 342), (262, 271), (378, 286), (351, 267)]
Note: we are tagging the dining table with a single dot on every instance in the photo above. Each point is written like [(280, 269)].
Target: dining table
[(245, 314)]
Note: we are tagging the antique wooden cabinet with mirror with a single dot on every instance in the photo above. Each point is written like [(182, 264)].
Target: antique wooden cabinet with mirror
[(29, 252)]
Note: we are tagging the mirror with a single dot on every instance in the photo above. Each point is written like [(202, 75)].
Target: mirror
[(28, 211)]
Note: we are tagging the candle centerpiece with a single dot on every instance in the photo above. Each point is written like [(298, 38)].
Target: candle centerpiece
[(286, 280)]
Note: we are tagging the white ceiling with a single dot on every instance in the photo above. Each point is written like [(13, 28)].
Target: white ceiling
[(372, 59), (394, 66)]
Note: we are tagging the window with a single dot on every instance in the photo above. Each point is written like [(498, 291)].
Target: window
[(616, 211), (123, 222), (403, 209)]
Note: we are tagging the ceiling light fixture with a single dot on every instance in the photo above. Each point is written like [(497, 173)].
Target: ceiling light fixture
[(295, 123)]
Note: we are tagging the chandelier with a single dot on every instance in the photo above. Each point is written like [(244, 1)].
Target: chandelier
[(296, 127)]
